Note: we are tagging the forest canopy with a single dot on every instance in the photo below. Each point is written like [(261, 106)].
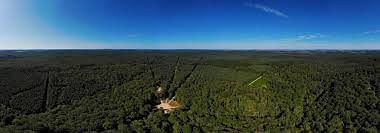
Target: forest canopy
[(216, 91)]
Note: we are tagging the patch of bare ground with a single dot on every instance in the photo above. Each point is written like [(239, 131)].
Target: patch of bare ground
[(168, 105)]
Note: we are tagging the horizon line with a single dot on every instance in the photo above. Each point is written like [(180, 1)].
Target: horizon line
[(158, 49)]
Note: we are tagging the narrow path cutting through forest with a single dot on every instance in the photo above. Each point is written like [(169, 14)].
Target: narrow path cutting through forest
[(168, 105), (174, 74), (45, 99), (150, 68), (255, 80), (188, 75)]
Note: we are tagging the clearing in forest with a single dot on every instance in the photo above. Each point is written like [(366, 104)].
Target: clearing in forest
[(168, 105)]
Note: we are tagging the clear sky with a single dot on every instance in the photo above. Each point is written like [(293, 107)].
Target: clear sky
[(190, 24)]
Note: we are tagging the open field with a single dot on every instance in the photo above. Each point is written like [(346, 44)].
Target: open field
[(116, 90)]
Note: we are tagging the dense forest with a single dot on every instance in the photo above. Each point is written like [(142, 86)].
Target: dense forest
[(217, 91)]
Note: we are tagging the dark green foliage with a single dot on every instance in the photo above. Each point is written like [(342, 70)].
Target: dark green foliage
[(116, 91)]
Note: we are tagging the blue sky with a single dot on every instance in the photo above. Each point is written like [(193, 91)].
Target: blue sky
[(190, 24)]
